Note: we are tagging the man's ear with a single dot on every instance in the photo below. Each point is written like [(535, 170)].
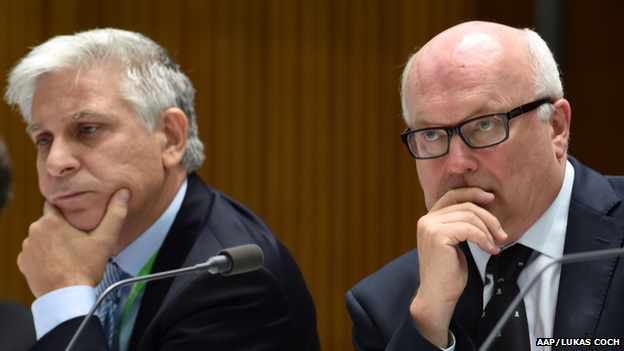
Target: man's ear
[(560, 123), (175, 124)]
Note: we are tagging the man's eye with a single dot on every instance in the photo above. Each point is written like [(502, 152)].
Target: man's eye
[(88, 129), (430, 135), (42, 142), (485, 126)]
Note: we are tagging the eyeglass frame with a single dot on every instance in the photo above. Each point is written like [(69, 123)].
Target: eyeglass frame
[(509, 115)]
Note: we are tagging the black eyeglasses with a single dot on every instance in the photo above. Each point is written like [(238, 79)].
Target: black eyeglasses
[(477, 133)]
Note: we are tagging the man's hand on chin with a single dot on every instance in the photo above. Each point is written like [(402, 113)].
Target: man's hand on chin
[(57, 255), (457, 216)]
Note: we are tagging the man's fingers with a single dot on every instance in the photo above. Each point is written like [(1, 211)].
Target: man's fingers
[(467, 225), (485, 242), (461, 195), (474, 198), (48, 208), (478, 216), (114, 218)]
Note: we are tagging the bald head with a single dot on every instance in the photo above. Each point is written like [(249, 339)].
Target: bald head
[(479, 70), (472, 56)]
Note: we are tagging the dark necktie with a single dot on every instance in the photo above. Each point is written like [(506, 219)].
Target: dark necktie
[(505, 268)]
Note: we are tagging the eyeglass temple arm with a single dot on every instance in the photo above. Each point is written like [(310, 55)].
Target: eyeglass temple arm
[(528, 107)]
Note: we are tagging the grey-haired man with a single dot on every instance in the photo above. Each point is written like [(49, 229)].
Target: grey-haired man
[(113, 121)]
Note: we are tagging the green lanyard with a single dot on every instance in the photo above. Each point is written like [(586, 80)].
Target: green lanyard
[(136, 288)]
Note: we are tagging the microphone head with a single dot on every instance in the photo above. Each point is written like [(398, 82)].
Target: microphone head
[(244, 258)]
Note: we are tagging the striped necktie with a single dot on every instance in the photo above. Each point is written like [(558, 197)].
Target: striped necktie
[(106, 311)]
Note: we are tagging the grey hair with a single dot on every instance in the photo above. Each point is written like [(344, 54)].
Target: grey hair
[(6, 176), (546, 76), (403, 82), (151, 81)]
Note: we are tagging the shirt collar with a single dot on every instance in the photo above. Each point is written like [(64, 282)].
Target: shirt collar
[(547, 235), (134, 256)]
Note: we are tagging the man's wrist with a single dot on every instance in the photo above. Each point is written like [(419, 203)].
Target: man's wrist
[(429, 322)]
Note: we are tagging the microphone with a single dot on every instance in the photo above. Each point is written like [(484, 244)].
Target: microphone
[(569, 258), (235, 260)]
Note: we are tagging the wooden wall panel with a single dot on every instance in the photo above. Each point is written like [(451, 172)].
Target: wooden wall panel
[(299, 111), (27, 203), (593, 75)]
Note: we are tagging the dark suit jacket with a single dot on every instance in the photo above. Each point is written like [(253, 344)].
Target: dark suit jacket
[(17, 331), (590, 303), (268, 309)]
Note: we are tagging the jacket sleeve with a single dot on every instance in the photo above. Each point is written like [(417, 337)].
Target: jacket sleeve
[(367, 336), (92, 338)]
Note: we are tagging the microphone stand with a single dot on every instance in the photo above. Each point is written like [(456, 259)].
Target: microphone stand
[(214, 265), (570, 258)]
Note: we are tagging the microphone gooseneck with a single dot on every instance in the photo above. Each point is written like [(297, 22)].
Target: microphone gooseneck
[(569, 258), (235, 260)]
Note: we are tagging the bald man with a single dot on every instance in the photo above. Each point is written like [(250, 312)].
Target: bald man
[(488, 128)]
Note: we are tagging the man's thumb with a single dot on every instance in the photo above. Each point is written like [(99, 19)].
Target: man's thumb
[(115, 215)]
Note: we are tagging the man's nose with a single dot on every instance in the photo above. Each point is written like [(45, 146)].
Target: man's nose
[(460, 158), (61, 159)]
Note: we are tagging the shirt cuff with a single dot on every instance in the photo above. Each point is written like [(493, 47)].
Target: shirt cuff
[(61, 305), (451, 342)]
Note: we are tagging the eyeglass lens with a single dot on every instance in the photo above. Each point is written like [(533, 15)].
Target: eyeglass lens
[(480, 132)]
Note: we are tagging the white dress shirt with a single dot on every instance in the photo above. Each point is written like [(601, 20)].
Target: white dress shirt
[(61, 305), (547, 238)]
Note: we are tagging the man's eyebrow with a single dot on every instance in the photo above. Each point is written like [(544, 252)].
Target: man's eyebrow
[(82, 114), (33, 128), (479, 111)]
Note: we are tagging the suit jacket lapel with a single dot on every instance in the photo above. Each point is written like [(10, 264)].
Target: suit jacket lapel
[(174, 250), (583, 285)]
